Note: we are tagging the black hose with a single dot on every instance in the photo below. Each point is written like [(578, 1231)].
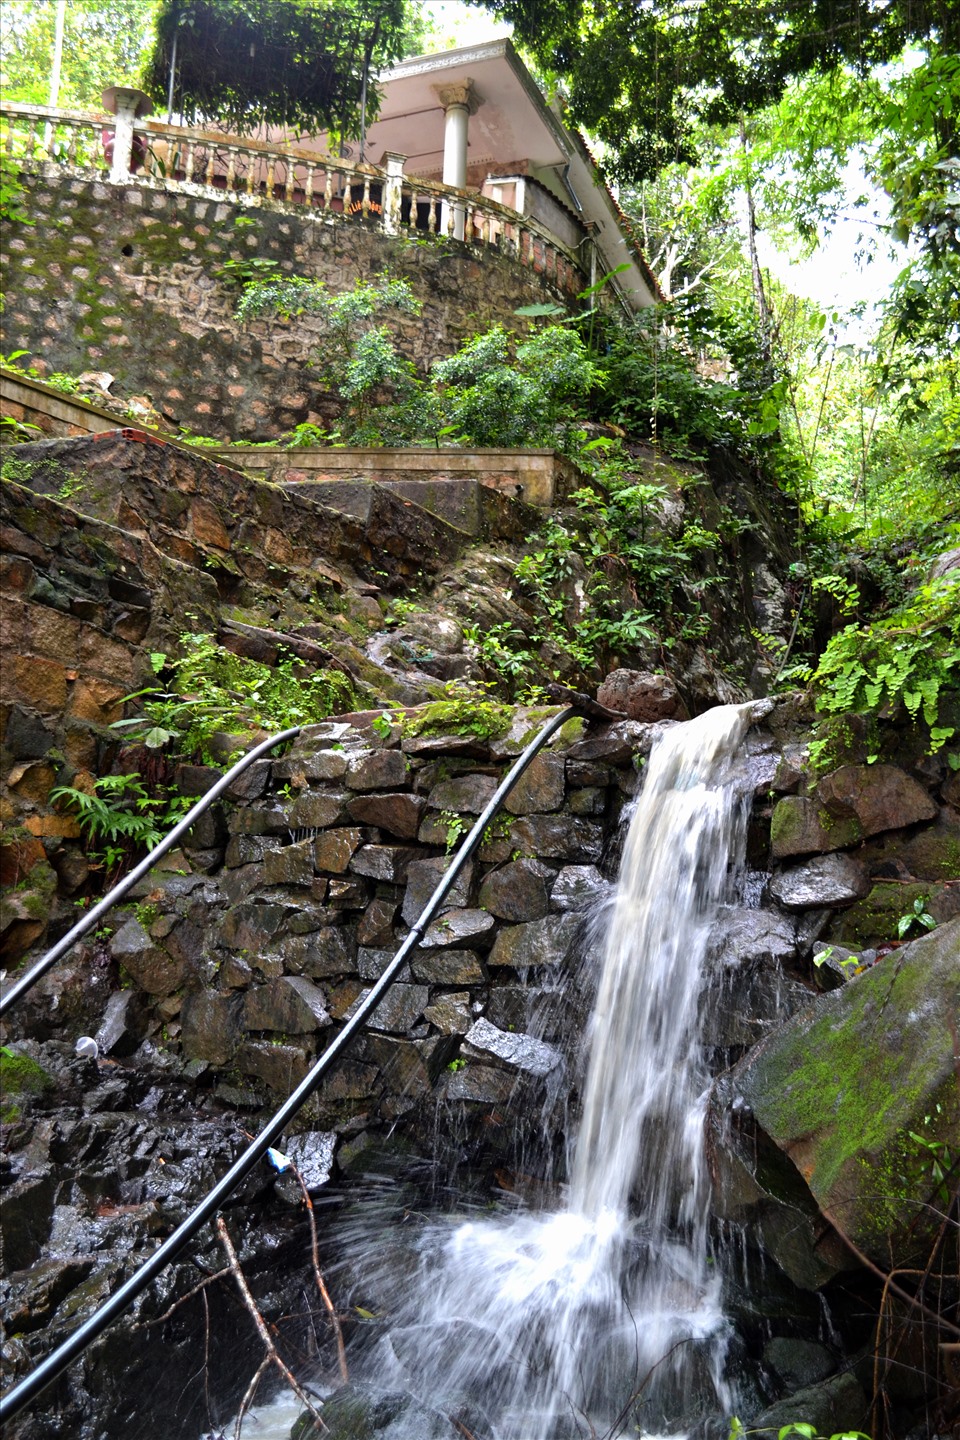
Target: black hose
[(14, 1401), (138, 871)]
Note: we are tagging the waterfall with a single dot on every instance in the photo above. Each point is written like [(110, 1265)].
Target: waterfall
[(605, 1314)]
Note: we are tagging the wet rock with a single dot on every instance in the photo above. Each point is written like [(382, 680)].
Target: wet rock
[(641, 695), (334, 849), (280, 1067), (380, 770), (831, 1407), (289, 864), (252, 783), (317, 810), (465, 795), (541, 787), (121, 1028), (328, 951), (254, 926), (471, 928), (399, 814), (934, 854), (616, 744), (451, 1013), (292, 1005), (751, 935), (578, 887), (839, 1089), (375, 926), (800, 826), (424, 876), (312, 1153), (517, 891), (372, 963), (153, 969), (401, 1065), (829, 880), (385, 862), (483, 1084), (875, 919), (399, 1010), (518, 1051), (313, 765), (798, 1363), (26, 1217), (32, 1298), (210, 1026), (878, 797), (448, 967), (541, 942), (558, 837)]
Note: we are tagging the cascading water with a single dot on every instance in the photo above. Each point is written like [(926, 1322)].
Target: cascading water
[(536, 1326)]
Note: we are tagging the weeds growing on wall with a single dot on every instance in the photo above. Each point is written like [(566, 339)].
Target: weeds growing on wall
[(214, 692), (119, 818)]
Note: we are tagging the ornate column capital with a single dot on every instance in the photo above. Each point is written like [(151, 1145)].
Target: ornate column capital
[(462, 94)]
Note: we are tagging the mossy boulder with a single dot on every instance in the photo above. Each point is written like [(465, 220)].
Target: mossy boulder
[(20, 1078), (860, 1092)]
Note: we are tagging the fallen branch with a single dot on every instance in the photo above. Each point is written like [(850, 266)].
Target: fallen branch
[(324, 1293), (273, 1355)]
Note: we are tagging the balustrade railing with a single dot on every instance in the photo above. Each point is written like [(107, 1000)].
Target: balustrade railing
[(250, 171)]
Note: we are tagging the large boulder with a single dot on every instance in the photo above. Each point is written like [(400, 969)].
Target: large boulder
[(859, 1090), (640, 695)]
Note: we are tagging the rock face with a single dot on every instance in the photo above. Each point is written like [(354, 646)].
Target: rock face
[(842, 1088)]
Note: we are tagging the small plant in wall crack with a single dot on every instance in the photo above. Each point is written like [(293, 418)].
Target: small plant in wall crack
[(917, 915)]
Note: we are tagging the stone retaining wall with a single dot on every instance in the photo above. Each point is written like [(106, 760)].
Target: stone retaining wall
[(126, 278)]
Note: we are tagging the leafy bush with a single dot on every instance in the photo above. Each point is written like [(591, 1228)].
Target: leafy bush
[(121, 816), (909, 657)]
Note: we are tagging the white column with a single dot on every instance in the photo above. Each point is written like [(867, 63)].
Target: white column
[(459, 103), (393, 192)]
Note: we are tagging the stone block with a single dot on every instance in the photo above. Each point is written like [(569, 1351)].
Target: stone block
[(482, 1084), (324, 952), (451, 1014), (558, 837), (471, 928), (280, 1067), (540, 789), (465, 795), (400, 1009), (316, 810), (375, 926), (578, 887), (150, 965), (210, 1026), (385, 862), (290, 864), (292, 1005), (827, 880), (641, 695), (334, 849), (422, 880), (371, 963), (517, 1051), (447, 967), (254, 926), (878, 797), (398, 814), (41, 684), (401, 1066), (541, 942), (800, 826), (518, 891), (379, 770)]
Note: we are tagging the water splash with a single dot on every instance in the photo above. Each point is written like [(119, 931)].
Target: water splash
[(606, 1314)]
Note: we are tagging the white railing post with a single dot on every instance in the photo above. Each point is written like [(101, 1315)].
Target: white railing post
[(392, 187), (128, 106)]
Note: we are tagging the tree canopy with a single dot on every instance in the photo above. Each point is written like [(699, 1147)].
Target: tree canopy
[(641, 75), (293, 63)]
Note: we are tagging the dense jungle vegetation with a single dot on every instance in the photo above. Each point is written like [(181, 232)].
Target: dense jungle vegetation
[(738, 134)]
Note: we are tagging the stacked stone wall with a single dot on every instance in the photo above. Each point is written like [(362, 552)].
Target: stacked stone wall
[(129, 279)]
